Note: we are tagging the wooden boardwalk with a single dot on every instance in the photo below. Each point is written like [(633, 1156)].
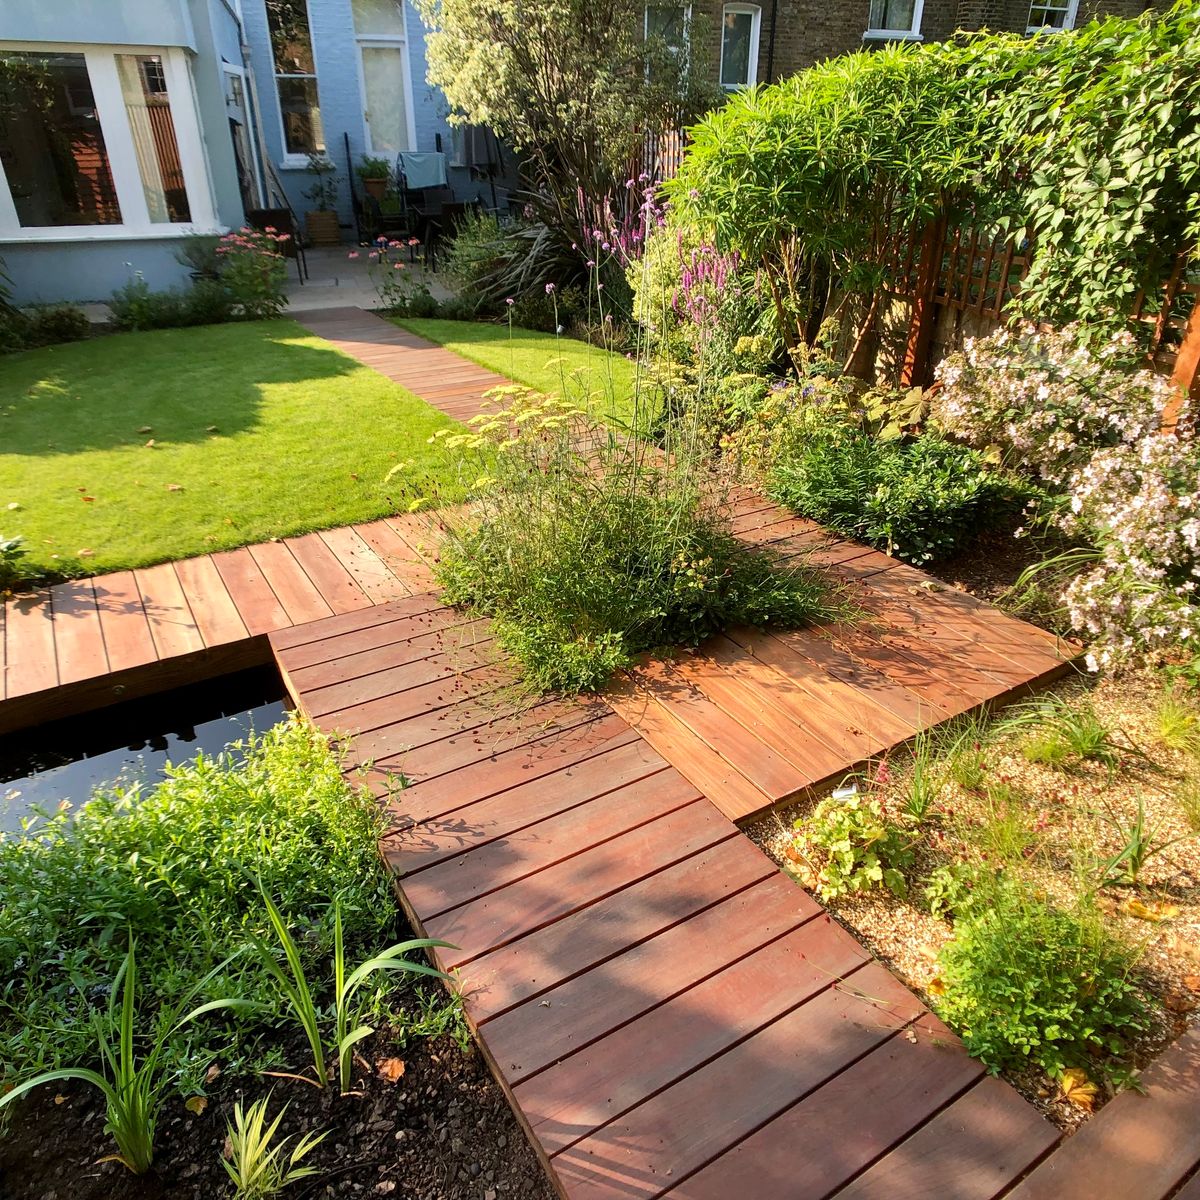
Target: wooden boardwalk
[(669, 1014)]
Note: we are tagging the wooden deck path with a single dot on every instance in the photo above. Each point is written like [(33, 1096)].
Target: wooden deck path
[(669, 1014)]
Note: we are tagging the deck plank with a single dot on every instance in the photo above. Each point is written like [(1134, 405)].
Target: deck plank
[(123, 621), (972, 1150), (368, 570), (78, 636), (215, 612), (249, 589), (329, 576), (172, 624), (300, 597), (29, 644)]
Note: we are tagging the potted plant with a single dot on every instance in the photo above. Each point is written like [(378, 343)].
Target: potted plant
[(375, 174), (322, 222)]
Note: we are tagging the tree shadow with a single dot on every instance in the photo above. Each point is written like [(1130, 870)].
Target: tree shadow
[(171, 386)]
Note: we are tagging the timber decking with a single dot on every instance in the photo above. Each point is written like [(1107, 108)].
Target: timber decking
[(668, 1013), (79, 645)]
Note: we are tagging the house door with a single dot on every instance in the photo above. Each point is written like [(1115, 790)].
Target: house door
[(243, 142)]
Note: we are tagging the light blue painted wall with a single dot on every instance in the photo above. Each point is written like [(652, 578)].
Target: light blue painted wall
[(339, 83), (46, 272), (123, 22)]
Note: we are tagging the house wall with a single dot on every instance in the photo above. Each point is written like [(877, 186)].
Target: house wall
[(339, 85), (810, 31), (89, 267)]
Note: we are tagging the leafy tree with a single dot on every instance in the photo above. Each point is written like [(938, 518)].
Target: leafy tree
[(574, 86)]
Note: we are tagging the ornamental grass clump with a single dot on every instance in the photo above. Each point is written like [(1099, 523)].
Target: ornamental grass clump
[(588, 548)]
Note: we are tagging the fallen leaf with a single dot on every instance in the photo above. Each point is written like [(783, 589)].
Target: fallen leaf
[(197, 1105), (1180, 1002), (1178, 944), (1150, 910), (936, 986), (85, 553), (60, 1098), (210, 429), (212, 1073), (1192, 983), (910, 1035), (146, 429), (174, 487), (928, 952), (390, 1069), (150, 444), (1076, 1088), (88, 499)]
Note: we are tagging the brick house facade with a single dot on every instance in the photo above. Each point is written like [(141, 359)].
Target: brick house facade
[(790, 35)]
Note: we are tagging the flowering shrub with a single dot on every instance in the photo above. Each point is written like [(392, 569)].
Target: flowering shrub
[(1140, 506), (1087, 421), (398, 292), (1046, 399), (253, 270)]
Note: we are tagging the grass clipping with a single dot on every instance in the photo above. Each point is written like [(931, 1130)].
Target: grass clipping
[(587, 548)]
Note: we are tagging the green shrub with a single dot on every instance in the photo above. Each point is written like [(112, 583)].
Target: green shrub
[(853, 846), (12, 569), (176, 864), (134, 306), (953, 889), (918, 499), (587, 549), (42, 325), (1027, 982)]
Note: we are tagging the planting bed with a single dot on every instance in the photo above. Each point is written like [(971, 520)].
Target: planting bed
[(442, 1131)]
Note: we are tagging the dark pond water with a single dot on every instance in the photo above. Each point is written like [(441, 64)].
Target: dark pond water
[(66, 760)]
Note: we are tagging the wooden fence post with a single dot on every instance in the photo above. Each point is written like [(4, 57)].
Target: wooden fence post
[(914, 372), (1185, 379)]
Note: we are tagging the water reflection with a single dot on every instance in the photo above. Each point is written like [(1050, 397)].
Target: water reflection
[(67, 760)]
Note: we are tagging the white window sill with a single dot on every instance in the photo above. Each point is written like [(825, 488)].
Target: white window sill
[(294, 162), (97, 233), (891, 35), (1033, 30)]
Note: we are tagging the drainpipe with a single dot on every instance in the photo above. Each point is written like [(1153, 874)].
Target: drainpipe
[(771, 42)]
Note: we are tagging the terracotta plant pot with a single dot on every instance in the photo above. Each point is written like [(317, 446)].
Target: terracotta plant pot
[(323, 228), (376, 187)]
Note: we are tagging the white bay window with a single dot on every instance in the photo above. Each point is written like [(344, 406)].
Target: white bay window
[(98, 142)]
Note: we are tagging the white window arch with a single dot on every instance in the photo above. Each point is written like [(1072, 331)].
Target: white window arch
[(740, 25)]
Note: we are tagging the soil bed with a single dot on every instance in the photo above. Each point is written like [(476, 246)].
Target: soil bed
[(442, 1131)]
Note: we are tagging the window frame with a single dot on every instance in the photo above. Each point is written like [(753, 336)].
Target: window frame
[(754, 11), (287, 160), (386, 41), (911, 34), (101, 63), (1069, 18)]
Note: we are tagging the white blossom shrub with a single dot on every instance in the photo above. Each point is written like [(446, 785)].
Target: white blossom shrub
[(1046, 399), (1087, 421)]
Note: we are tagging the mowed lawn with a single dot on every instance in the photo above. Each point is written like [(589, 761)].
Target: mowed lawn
[(560, 366), (136, 448)]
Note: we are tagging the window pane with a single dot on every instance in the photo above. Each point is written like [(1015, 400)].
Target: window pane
[(302, 131), (892, 14), (378, 17), (51, 143), (290, 41), (1045, 16), (144, 87), (735, 49), (383, 76)]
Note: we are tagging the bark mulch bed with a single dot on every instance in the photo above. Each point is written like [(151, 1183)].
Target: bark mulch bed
[(441, 1131)]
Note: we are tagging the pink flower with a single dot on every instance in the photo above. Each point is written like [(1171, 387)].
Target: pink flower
[(269, 229), (549, 289), (352, 254), (414, 241)]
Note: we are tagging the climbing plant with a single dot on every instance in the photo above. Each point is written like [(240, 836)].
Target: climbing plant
[(1086, 144)]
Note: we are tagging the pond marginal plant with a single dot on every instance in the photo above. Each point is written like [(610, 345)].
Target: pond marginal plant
[(349, 1028), (132, 1087)]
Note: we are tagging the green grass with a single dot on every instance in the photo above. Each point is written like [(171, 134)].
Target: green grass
[(556, 365), (260, 430)]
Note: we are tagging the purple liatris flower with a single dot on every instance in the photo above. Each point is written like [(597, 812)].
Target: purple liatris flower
[(549, 289)]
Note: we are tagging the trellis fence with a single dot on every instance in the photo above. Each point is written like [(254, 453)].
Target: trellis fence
[(954, 271)]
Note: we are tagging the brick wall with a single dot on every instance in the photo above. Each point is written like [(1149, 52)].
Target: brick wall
[(810, 31)]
